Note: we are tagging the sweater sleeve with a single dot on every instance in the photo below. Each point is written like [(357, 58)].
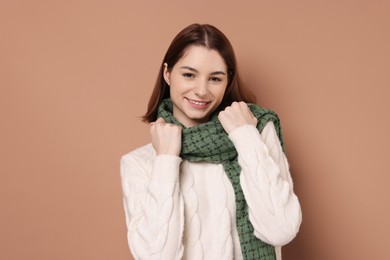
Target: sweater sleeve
[(153, 206), (274, 209)]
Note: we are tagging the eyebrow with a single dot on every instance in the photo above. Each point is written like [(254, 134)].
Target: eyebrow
[(194, 70)]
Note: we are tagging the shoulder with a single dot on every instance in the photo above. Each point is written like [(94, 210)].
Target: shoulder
[(264, 117), (141, 156), (263, 113), (140, 153)]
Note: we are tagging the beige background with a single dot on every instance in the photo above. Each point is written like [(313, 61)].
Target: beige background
[(76, 75)]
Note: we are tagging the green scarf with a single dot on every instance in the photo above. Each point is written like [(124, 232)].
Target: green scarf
[(209, 142)]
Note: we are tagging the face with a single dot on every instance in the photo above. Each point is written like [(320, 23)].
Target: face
[(197, 85)]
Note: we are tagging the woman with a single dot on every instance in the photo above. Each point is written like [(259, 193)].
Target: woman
[(214, 183)]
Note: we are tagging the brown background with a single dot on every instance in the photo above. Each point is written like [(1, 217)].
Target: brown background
[(75, 76)]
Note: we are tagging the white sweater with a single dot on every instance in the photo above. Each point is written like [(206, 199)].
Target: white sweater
[(186, 210)]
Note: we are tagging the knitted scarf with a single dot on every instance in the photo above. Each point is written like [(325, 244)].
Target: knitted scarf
[(209, 142)]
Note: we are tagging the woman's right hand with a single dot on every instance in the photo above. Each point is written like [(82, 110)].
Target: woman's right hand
[(166, 138)]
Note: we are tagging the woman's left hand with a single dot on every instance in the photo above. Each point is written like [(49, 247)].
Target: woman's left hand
[(236, 115)]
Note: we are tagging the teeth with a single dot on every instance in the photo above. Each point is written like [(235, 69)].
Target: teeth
[(198, 103)]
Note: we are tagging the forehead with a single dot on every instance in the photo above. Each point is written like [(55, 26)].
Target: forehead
[(203, 59)]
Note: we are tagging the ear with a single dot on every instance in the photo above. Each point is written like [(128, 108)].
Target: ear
[(166, 74)]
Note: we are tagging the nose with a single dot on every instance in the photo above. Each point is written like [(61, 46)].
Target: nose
[(200, 88)]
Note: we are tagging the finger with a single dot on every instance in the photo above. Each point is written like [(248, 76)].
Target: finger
[(152, 128), (160, 120)]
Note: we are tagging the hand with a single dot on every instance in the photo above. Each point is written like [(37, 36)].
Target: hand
[(236, 115), (166, 138)]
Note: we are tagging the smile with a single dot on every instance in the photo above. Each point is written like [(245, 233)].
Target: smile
[(199, 104)]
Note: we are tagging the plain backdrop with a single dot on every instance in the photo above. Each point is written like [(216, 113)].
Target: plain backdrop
[(75, 77)]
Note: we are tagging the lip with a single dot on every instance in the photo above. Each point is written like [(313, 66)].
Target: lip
[(198, 104)]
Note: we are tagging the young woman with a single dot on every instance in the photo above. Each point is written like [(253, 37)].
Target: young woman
[(214, 183)]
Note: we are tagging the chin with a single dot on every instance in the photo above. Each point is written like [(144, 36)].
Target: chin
[(200, 119)]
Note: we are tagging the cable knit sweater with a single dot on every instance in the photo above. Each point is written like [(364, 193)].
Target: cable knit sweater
[(178, 209)]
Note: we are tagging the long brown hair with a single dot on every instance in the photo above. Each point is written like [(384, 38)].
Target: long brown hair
[(200, 35)]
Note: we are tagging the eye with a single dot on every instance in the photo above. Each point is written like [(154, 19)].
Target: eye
[(188, 75), (215, 79)]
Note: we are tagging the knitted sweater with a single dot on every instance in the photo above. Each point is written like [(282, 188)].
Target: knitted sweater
[(178, 209)]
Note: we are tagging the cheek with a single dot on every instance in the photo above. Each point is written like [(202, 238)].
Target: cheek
[(180, 84), (220, 92)]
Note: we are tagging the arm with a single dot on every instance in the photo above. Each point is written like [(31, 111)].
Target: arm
[(274, 209), (153, 206)]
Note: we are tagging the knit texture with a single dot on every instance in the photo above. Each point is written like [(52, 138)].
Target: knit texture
[(210, 143)]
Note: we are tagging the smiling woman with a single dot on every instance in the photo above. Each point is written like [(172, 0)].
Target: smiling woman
[(214, 183), (197, 84)]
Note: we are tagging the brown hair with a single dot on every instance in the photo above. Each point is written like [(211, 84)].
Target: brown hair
[(200, 35)]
